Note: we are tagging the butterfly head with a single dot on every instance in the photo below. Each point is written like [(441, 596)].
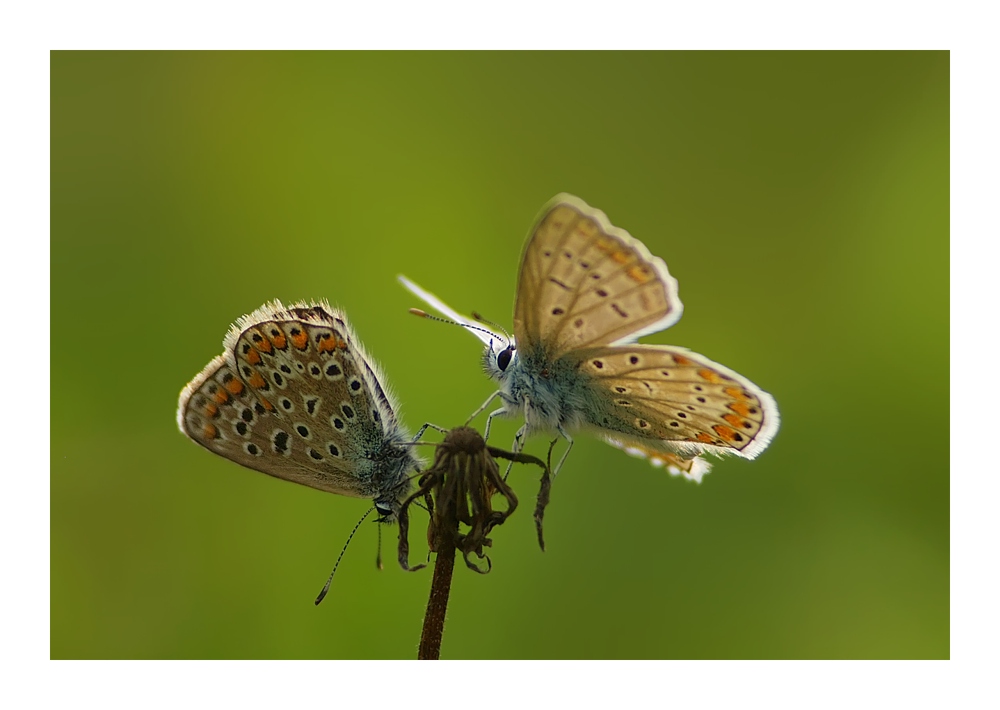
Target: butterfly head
[(386, 509), (498, 359), (500, 353), (393, 471), (390, 499), (389, 502)]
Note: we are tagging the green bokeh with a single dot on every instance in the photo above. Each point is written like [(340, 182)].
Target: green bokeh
[(801, 200)]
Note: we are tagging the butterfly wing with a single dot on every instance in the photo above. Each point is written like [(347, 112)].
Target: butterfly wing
[(292, 396), (670, 404), (585, 283)]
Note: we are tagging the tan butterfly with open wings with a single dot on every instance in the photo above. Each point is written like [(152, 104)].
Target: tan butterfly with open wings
[(586, 292)]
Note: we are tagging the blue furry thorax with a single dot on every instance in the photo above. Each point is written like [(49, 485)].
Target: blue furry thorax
[(551, 393)]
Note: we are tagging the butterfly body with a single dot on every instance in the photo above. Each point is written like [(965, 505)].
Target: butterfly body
[(295, 396), (550, 394), (587, 290)]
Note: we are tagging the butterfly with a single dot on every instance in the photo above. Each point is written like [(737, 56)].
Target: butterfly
[(295, 396), (586, 291)]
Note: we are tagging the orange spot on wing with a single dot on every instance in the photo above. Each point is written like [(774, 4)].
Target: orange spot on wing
[(709, 375), (235, 387), (253, 357), (267, 405), (704, 438), (221, 396), (740, 408), (327, 344), (265, 346), (279, 341), (300, 340), (639, 274), (342, 344), (605, 245), (724, 432), (586, 228), (257, 381), (735, 393), (619, 256), (733, 419), (681, 360), (210, 431), (211, 409)]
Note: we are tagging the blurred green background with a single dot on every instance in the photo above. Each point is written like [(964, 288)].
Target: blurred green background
[(801, 200)]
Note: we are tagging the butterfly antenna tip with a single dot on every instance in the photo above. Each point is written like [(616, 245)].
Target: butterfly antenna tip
[(329, 580)]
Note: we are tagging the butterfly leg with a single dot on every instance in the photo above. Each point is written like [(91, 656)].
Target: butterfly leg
[(479, 411), (425, 427), (403, 518), (489, 421), (516, 447), (567, 437)]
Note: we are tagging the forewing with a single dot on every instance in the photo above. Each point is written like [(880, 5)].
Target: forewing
[(585, 283), (291, 397), (669, 399)]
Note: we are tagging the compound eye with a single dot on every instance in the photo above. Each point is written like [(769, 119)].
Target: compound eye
[(382, 509), (503, 359)]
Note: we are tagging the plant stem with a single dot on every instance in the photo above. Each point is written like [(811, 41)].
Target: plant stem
[(437, 603), (458, 489)]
